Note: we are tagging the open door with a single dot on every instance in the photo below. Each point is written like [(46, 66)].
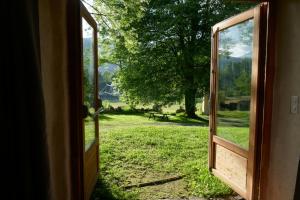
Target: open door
[(237, 88), (90, 101)]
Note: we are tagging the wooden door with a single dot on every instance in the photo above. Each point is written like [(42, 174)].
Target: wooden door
[(90, 101), (237, 75)]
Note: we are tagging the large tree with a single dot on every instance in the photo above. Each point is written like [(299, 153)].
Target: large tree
[(163, 47)]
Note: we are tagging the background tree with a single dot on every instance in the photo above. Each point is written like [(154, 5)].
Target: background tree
[(162, 46)]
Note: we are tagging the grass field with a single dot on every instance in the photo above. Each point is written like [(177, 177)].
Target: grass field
[(134, 149), (234, 126), (89, 132)]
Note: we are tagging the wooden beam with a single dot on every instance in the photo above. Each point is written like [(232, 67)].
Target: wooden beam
[(230, 146), (268, 101), (234, 20), (75, 103)]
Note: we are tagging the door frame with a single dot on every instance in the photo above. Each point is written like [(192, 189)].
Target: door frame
[(74, 67), (259, 87), (90, 178), (73, 29), (75, 104)]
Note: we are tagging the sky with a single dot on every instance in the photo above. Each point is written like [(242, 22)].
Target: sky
[(87, 31), (87, 6), (238, 47)]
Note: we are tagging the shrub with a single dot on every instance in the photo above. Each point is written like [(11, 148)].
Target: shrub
[(157, 108), (180, 110), (119, 109)]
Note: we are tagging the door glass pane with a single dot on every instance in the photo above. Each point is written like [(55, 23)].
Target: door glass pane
[(234, 82), (88, 83)]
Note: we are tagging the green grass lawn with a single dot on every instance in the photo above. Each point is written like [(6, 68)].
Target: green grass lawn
[(89, 132), (134, 149), (234, 126)]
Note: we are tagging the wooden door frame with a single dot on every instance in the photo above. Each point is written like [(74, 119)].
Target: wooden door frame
[(84, 13), (265, 149), (216, 140), (75, 103), (88, 154), (258, 91)]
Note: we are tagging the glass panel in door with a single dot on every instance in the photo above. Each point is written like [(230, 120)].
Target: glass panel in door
[(234, 82), (88, 83)]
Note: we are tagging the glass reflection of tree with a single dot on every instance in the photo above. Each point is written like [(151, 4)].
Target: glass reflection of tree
[(88, 76), (235, 52)]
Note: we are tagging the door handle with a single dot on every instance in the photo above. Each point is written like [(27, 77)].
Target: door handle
[(96, 114), (85, 111)]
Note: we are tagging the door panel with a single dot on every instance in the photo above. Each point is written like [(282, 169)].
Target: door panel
[(90, 101), (88, 83), (234, 82), (235, 88)]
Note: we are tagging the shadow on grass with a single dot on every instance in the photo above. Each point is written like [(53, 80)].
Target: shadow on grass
[(233, 122), (105, 117), (183, 120), (179, 119), (124, 112), (103, 191)]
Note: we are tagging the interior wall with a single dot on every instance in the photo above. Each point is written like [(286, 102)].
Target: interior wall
[(285, 134), (53, 46)]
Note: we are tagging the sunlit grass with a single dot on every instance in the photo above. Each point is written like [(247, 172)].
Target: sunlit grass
[(89, 132), (135, 149), (237, 135), (234, 126)]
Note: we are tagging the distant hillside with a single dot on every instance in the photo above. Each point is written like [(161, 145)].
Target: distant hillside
[(224, 61), (106, 89), (108, 67)]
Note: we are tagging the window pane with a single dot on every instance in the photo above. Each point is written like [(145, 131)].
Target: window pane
[(88, 82), (234, 83)]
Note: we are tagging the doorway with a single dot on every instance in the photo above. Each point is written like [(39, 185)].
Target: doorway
[(241, 102), (237, 93)]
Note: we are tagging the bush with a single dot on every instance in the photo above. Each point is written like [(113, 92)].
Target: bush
[(180, 110), (157, 108), (119, 109)]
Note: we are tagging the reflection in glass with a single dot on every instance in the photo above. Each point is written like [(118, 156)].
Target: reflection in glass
[(88, 82), (234, 83)]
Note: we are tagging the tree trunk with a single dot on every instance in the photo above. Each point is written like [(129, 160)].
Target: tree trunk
[(190, 102)]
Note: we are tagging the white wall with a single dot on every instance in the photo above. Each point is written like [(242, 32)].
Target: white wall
[(285, 136)]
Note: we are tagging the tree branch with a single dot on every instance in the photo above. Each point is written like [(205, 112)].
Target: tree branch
[(97, 13)]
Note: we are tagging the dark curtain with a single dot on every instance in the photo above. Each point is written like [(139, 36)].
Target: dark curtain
[(23, 136), (297, 189)]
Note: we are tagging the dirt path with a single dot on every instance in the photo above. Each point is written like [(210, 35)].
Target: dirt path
[(173, 190)]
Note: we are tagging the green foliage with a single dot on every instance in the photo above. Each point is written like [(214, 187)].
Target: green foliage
[(88, 78), (107, 77), (124, 108), (161, 46), (235, 72)]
